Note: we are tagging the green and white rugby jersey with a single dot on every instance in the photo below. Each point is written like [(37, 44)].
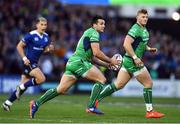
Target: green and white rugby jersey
[(141, 37), (83, 49)]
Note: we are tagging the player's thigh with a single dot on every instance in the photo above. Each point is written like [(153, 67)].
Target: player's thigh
[(65, 83), (144, 78), (37, 73), (122, 79), (24, 78), (95, 74)]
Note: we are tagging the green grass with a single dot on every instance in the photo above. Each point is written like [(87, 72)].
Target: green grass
[(71, 109)]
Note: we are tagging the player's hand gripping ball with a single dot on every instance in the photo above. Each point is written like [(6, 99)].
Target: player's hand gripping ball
[(117, 67)]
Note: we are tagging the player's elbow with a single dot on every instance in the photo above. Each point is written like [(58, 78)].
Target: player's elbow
[(96, 53), (40, 79), (125, 45), (18, 47)]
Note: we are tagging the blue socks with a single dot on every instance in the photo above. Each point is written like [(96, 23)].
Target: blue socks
[(30, 83), (23, 87), (13, 97)]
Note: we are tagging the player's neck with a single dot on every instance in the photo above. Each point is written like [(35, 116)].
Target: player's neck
[(40, 32), (94, 28), (142, 26)]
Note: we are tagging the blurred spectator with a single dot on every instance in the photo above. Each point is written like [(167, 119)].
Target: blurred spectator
[(66, 24)]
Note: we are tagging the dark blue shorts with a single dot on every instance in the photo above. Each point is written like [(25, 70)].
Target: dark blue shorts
[(29, 68)]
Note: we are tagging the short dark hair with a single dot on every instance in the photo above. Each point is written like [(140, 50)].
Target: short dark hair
[(40, 19), (95, 19), (143, 11)]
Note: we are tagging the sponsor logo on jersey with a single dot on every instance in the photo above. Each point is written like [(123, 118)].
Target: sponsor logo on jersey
[(38, 48), (36, 39), (145, 39), (45, 39)]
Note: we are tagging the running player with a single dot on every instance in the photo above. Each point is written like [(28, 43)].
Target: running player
[(80, 65), (30, 49), (135, 45)]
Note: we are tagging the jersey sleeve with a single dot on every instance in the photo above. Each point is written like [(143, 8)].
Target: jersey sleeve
[(94, 37), (133, 32), (27, 38)]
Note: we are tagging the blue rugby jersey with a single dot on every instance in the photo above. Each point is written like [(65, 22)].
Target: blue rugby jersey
[(35, 45)]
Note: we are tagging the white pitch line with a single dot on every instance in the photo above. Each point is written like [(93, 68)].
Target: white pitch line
[(119, 103), (37, 119)]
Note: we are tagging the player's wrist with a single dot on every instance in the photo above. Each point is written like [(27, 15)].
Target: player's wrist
[(24, 58), (109, 60), (48, 49), (134, 57), (148, 48), (108, 66)]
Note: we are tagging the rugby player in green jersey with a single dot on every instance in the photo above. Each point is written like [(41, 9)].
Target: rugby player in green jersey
[(80, 65), (135, 44)]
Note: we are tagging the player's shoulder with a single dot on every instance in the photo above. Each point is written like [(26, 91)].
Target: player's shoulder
[(46, 34), (91, 31), (135, 26), (134, 29), (34, 32)]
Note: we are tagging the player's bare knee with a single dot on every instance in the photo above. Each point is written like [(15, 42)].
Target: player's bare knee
[(148, 84), (119, 85), (102, 80), (40, 79), (61, 90)]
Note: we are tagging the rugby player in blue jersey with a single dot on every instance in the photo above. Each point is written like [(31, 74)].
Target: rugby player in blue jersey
[(30, 48)]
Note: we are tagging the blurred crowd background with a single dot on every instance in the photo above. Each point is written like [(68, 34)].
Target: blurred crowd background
[(66, 24)]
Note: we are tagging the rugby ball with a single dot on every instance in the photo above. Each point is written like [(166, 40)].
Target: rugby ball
[(118, 57)]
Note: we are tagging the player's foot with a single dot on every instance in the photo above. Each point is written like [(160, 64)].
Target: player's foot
[(32, 108), (6, 107), (18, 92), (94, 110), (154, 114), (96, 103)]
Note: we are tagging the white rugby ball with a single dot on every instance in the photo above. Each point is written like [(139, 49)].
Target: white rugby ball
[(118, 57)]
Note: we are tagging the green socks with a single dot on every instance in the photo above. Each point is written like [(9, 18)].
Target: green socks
[(147, 92), (95, 93), (108, 90), (50, 94)]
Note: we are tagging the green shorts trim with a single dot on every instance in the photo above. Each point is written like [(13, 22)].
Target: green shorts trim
[(135, 73), (77, 68), (129, 65)]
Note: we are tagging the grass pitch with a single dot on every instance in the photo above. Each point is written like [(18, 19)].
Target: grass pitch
[(71, 109)]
